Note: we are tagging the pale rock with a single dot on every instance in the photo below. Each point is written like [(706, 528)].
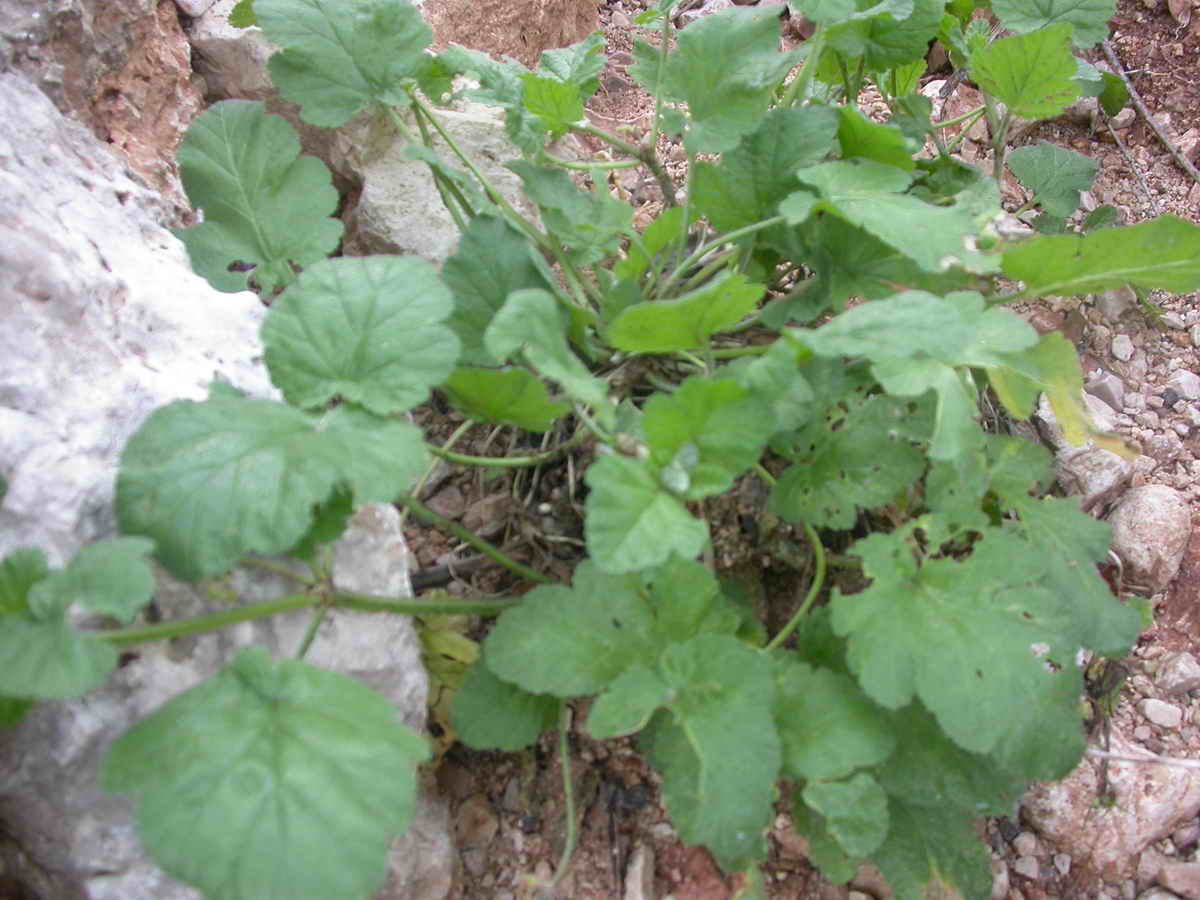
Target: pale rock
[(1164, 715), (122, 67), (1097, 476), (1194, 331), (194, 8), (1183, 878), (1135, 402), (1028, 867), (232, 60), (101, 322), (399, 208), (1124, 118), (1186, 384), (1152, 801), (1107, 387), (1026, 844), (639, 875), (1178, 674), (1102, 416), (1062, 862), (1122, 347), (1164, 446), (1173, 320), (1158, 894), (1000, 880), (1151, 527), (1116, 303)]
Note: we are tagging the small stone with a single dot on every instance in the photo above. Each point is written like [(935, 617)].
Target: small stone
[(1062, 862), (999, 880), (1162, 714), (1122, 347), (1186, 384), (1173, 320), (1135, 402), (639, 877), (1182, 429), (1182, 878), (1115, 303), (1107, 387), (1194, 332), (1026, 844), (1142, 733), (1178, 674), (1027, 866), (448, 502)]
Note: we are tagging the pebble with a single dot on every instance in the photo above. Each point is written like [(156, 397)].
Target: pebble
[(1062, 862), (1026, 844), (1178, 674), (1027, 866), (1122, 347), (1162, 714), (1173, 320), (1186, 384)]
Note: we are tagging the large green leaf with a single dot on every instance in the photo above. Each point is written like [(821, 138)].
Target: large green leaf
[(244, 783), (532, 323), (959, 607), (746, 186), (579, 65), (589, 223), (662, 326), (504, 396), (855, 811), (212, 481), (885, 143), (1055, 175), (572, 641), (557, 105), (828, 725), (1088, 18), (45, 658), (492, 261), (633, 522), (929, 849), (367, 329), (849, 461), (709, 431), (626, 707), (871, 195), (110, 577), (338, 59), (884, 41), (1033, 74), (726, 69), (718, 750), (264, 205), (490, 714), (19, 572), (835, 12), (1163, 254)]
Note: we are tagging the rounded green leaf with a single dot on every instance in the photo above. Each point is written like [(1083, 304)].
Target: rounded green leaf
[(264, 204), (368, 329), (271, 781), (508, 396), (212, 481), (491, 714)]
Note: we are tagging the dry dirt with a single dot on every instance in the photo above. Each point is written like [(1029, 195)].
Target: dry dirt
[(508, 808)]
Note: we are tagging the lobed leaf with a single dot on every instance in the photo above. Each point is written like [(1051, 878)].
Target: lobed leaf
[(633, 522), (212, 481), (1087, 18), (111, 577), (265, 206), (745, 187), (1054, 175), (492, 261), (246, 783), (1163, 254), (713, 430), (725, 68), (930, 850), (663, 326), (504, 396), (855, 811), (339, 59), (47, 659), (884, 41), (589, 223), (626, 707), (367, 329), (717, 749), (1032, 74), (491, 714)]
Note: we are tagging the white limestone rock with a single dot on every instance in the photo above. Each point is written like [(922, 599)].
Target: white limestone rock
[(101, 322), (1151, 527)]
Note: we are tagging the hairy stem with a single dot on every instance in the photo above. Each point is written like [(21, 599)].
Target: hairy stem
[(511, 462)]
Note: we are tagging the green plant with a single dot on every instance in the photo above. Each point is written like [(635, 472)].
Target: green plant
[(898, 713)]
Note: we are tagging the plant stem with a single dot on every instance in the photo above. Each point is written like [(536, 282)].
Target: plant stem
[(318, 617), (511, 462), (645, 155), (411, 606), (421, 511), (797, 91), (818, 581), (276, 569), (739, 352), (564, 756), (496, 197), (589, 166), (708, 246)]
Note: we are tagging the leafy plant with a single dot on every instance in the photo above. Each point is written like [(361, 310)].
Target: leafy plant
[(925, 693)]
